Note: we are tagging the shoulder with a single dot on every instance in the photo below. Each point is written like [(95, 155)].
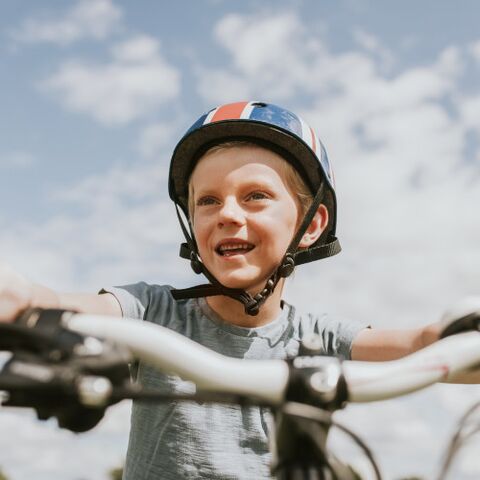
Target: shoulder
[(137, 299), (308, 321), (337, 332)]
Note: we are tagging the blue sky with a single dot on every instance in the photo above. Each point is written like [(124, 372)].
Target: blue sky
[(95, 93), (33, 123)]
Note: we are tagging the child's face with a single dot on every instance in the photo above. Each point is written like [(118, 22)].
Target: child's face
[(244, 214)]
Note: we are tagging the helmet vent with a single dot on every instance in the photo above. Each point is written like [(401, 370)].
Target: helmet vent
[(259, 104)]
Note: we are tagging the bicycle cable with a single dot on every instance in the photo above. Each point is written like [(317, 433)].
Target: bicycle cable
[(460, 438), (325, 418)]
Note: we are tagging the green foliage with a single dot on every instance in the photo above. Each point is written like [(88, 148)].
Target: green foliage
[(2, 475)]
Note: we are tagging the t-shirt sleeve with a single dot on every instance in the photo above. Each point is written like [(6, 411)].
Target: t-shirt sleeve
[(143, 301), (338, 333), (133, 299)]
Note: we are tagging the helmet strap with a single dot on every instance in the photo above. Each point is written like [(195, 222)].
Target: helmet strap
[(287, 266)]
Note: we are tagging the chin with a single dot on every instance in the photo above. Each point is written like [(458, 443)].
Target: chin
[(242, 284), (250, 283)]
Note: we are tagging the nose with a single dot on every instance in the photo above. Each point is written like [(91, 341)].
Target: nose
[(231, 213)]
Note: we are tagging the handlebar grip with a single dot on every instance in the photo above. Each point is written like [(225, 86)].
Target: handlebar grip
[(50, 365), (40, 331)]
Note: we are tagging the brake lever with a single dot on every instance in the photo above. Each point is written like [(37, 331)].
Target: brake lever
[(58, 372), (462, 317)]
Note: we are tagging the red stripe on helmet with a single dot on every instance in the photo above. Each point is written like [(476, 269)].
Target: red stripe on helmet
[(231, 111), (314, 140)]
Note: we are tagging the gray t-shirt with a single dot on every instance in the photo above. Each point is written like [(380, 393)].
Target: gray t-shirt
[(189, 440)]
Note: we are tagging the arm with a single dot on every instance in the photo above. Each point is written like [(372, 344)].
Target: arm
[(18, 294), (383, 345), (105, 304)]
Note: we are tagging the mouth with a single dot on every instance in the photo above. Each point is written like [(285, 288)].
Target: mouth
[(230, 248)]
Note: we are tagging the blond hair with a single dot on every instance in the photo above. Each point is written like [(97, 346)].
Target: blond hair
[(293, 180)]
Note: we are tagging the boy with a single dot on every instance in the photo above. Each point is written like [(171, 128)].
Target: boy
[(256, 187)]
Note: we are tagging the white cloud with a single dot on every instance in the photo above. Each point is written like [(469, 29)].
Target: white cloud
[(44, 446), (469, 108), (136, 82), (242, 40), (475, 50), (87, 19), (289, 60), (372, 44), (268, 54), (142, 48), (155, 137), (389, 426), (17, 160), (125, 223)]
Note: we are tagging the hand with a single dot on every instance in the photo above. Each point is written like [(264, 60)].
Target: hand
[(16, 293), (462, 317)]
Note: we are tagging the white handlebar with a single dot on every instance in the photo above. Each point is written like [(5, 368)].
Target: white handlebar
[(171, 352), (442, 360), (267, 379)]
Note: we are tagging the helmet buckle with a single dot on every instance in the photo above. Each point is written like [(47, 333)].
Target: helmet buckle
[(252, 308), (287, 266)]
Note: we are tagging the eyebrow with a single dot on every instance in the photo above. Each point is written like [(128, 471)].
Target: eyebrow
[(253, 184)]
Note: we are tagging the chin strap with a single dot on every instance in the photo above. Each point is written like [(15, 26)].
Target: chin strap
[(291, 258)]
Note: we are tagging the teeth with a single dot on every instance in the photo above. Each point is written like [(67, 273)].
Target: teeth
[(236, 246)]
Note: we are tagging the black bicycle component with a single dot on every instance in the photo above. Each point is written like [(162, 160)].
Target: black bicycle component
[(300, 451), (315, 379), (466, 323), (296, 452), (40, 331), (58, 372)]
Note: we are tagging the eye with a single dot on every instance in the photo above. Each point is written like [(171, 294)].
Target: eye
[(205, 201), (257, 196)]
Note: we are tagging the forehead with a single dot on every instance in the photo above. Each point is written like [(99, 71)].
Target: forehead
[(241, 160)]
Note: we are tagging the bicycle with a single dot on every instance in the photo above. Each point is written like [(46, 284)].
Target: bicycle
[(61, 368)]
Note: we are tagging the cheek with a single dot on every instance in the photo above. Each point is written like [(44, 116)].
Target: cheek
[(202, 229), (287, 215), (198, 229), (279, 225)]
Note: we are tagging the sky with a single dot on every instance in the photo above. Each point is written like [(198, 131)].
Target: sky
[(95, 95)]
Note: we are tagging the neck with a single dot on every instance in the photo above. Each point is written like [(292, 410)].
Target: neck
[(233, 312)]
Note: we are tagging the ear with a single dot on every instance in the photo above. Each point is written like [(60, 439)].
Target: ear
[(316, 227)]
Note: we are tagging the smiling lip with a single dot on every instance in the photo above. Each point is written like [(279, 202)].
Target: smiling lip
[(230, 247)]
